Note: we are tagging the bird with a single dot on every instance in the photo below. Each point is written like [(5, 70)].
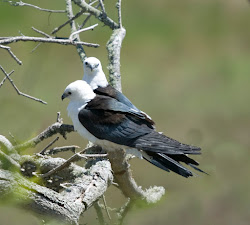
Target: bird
[(113, 125), (95, 77)]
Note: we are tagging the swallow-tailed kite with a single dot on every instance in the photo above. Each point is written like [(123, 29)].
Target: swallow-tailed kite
[(113, 125), (95, 77)]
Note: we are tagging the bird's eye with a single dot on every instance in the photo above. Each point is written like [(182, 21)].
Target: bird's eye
[(86, 63), (69, 93)]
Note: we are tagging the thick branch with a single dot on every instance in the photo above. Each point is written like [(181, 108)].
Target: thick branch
[(84, 187), (56, 128), (114, 50)]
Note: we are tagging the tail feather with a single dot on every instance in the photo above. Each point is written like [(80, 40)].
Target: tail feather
[(166, 163), (172, 162), (196, 168), (184, 158), (156, 142)]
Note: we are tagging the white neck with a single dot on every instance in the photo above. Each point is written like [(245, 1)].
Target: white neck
[(97, 78)]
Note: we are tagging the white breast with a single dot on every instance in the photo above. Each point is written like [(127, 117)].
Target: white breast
[(73, 111)]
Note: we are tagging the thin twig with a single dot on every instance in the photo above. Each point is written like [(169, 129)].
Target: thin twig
[(68, 21), (41, 32), (102, 6), (82, 30), (51, 143), (70, 15), (10, 160), (106, 207), (124, 211), (13, 138), (55, 128), (5, 78), (74, 158), (63, 41), (99, 213), (21, 3), (12, 54), (88, 17), (98, 14), (58, 117), (119, 7), (85, 21), (34, 49), (17, 90), (55, 150)]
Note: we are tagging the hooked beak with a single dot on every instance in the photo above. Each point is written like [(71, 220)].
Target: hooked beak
[(92, 67), (65, 95)]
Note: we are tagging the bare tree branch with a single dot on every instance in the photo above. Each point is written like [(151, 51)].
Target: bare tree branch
[(50, 144), (56, 150), (8, 40), (106, 206), (41, 32), (82, 30), (119, 7), (102, 6), (12, 54), (56, 128), (114, 50), (68, 21), (70, 15), (21, 3), (97, 13), (74, 158), (17, 90), (88, 17), (99, 213), (5, 78), (10, 160)]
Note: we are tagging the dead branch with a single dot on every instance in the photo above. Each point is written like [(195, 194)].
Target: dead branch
[(82, 30), (11, 54), (21, 3), (62, 41), (56, 150), (97, 13), (56, 128), (70, 15), (68, 21), (119, 7), (5, 78), (17, 90), (113, 46), (50, 144)]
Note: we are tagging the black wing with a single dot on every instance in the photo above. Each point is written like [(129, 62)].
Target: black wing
[(112, 126), (113, 93)]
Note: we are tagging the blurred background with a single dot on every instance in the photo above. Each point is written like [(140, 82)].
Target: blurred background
[(185, 63)]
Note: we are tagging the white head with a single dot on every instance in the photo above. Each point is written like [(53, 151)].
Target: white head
[(93, 73), (79, 91)]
